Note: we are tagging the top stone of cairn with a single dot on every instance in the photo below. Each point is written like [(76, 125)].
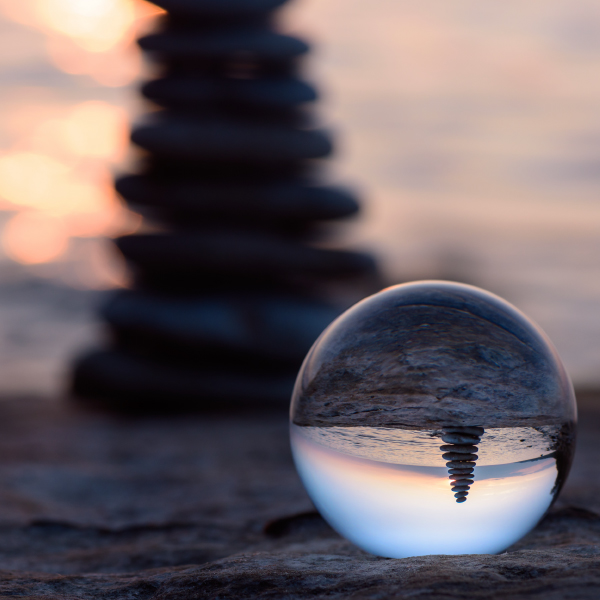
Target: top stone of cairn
[(219, 8)]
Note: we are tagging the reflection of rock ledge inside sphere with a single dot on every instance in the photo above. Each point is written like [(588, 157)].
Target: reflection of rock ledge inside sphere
[(446, 357)]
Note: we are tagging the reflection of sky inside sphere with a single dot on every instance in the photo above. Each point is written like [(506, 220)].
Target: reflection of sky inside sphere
[(398, 511)]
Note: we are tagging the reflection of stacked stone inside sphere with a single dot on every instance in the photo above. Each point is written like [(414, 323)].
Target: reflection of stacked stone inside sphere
[(229, 291), (460, 452)]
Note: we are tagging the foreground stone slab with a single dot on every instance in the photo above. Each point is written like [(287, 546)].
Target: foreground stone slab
[(209, 506), (297, 574)]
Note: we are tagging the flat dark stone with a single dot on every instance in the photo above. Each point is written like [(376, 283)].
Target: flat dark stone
[(278, 328), (453, 464), (255, 44), (242, 253), (131, 383), (230, 140), (455, 456), (457, 471), (245, 201), (219, 8), (459, 500), (465, 480), (466, 430), (260, 93), (459, 449), (457, 438), (462, 494), (461, 488), (232, 67)]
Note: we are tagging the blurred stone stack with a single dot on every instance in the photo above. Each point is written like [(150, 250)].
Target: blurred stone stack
[(229, 289)]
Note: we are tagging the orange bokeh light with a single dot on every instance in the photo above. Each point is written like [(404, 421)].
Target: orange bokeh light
[(95, 25), (33, 237), (97, 129), (56, 173), (32, 180), (93, 129), (88, 37), (61, 174), (117, 67)]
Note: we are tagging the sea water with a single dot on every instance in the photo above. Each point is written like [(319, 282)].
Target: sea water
[(388, 490)]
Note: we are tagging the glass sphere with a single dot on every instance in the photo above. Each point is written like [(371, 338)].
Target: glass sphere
[(433, 418)]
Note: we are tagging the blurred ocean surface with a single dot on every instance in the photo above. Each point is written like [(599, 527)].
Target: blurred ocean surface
[(472, 130)]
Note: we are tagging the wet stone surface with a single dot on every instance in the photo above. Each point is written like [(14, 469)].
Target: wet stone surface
[(93, 506)]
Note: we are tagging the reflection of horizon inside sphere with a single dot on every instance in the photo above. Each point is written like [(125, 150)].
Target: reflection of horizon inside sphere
[(433, 398)]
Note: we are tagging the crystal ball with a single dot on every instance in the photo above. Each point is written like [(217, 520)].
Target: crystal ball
[(433, 418)]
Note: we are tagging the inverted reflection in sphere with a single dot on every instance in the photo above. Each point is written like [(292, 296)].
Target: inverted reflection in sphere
[(433, 418)]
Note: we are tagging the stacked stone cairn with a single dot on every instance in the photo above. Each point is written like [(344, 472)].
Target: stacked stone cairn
[(229, 289), (460, 452)]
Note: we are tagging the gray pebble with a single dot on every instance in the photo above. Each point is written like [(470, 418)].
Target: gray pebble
[(242, 253), (461, 488), (465, 471), (455, 456), (259, 93), (467, 430), (230, 140), (457, 438), (219, 8), (276, 202), (280, 328), (461, 465), (127, 382), (465, 480), (459, 449), (259, 44)]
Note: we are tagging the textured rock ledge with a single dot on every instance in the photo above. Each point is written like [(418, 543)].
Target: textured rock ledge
[(333, 571), (210, 507)]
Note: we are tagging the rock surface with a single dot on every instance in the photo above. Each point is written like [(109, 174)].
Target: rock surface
[(93, 506)]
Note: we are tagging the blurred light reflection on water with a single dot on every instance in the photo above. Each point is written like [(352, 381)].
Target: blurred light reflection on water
[(67, 71), (64, 121)]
